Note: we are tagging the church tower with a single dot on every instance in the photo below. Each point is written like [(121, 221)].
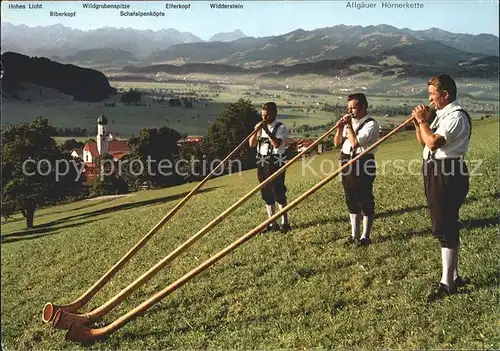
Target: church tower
[(102, 137)]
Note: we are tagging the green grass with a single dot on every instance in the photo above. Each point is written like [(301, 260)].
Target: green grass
[(305, 289), (61, 139)]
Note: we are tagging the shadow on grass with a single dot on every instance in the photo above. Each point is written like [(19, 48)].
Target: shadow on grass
[(315, 223), (399, 212), (469, 224), (345, 219), (403, 236), (480, 223), (90, 203), (38, 232), (113, 209), (468, 200), (489, 281)]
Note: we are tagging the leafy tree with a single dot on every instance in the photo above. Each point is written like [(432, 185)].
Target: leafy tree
[(109, 183), (151, 147), (192, 152), (71, 144), (229, 129), (174, 103), (37, 183), (131, 96)]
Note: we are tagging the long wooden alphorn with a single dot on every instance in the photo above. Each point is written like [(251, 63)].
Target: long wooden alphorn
[(50, 310), (65, 319), (78, 332)]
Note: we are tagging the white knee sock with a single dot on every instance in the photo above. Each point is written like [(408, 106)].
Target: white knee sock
[(455, 264), (284, 218), (367, 226), (448, 258), (270, 210), (355, 224)]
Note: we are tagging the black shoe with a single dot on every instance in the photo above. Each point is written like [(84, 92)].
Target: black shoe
[(273, 227), (350, 240), (460, 282), (285, 228), (365, 241), (439, 291)]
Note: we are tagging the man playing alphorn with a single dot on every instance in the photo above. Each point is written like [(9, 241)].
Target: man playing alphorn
[(446, 178), (357, 131), (270, 143)]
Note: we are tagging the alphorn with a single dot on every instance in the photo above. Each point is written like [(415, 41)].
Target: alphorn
[(64, 319), (78, 332), (50, 310)]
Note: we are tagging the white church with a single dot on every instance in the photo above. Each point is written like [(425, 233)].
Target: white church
[(105, 144)]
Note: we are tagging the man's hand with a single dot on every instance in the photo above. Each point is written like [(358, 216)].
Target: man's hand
[(421, 114), (342, 121), (347, 119)]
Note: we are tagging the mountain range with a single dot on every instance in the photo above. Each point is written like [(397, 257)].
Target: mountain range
[(333, 43), (231, 36), (147, 47), (58, 41), (389, 64)]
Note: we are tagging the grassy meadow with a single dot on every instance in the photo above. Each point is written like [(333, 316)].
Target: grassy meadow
[(301, 290)]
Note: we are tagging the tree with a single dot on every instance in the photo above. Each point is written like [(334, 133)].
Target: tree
[(71, 144), (131, 96), (108, 183), (153, 146), (174, 103), (229, 129), (33, 168)]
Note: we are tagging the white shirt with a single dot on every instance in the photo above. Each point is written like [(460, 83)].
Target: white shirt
[(366, 136), (281, 133), (454, 127)]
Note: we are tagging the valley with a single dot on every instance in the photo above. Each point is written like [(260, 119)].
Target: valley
[(301, 101)]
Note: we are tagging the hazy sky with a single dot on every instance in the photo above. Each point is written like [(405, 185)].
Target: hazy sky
[(264, 18)]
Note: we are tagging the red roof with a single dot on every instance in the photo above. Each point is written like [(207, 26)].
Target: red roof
[(91, 146), (120, 154), (305, 142), (114, 146), (117, 146)]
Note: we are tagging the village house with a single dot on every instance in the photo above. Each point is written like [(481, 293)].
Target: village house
[(77, 153), (299, 145), (190, 139)]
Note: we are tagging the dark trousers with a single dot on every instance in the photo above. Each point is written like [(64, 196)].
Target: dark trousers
[(357, 180), (446, 184), (275, 191)]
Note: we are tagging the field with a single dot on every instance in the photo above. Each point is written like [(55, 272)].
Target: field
[(302, 290), (298, 106)]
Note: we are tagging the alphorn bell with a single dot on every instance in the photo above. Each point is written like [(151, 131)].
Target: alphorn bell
[(50, 310), (64, 319), (78, 332)]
